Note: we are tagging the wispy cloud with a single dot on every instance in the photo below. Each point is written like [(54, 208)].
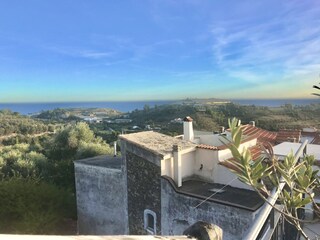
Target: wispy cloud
[(290, 42), (95, 55), (119, 50), (80, 53)]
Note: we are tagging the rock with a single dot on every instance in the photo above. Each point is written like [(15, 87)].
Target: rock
[(204, 231)]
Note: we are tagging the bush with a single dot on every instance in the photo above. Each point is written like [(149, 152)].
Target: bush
[(33, 207)]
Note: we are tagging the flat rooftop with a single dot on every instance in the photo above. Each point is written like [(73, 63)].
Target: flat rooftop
[(231, 196), (156, 142), (285, 148), (106, 161)]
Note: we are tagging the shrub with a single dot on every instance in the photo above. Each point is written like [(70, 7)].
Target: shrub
[(31, 206)]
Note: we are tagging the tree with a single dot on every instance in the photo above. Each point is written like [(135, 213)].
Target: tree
[(71, 143), (14, 161), (268, 173), (70, 140), (146, 108)]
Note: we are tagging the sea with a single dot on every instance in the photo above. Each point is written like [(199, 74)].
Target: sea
[(34, 108)]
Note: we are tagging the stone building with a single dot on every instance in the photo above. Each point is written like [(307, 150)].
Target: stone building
[(101, 196), (162, 184)]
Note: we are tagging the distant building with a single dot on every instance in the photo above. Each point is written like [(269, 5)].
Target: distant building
[(123, 120), (177, 120), (92, 119), (163, 184)]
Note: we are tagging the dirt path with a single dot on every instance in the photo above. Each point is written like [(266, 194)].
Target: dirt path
[(29, 135), (8, 136)]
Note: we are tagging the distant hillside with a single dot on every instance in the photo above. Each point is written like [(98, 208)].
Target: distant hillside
[(210, 117), (77, 113), (12, 123), (203, 101)]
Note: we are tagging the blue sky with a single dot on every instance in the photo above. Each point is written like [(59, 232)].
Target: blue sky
[(98, 50)]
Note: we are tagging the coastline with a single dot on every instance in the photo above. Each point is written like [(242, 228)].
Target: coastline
[(32, 108)]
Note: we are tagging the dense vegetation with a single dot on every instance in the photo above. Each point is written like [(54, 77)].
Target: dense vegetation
[(73, 114), (211, 117), (14, 123), (37, 174), (32, 206)]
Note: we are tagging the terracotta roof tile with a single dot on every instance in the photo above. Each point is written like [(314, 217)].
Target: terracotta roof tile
[(228, 164), (316, 139), (285, 135), (255, 151), (261, 134), (208, 147), (222, 147)]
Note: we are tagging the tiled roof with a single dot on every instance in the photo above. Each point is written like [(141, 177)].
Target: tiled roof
[(261, 134), (316, 139), (208, 147), (285, 135), (224, 146), (255, 151), (250, 132)]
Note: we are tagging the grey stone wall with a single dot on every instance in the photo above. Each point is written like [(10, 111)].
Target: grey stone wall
[(144, 190), (101, 200), (179, 212)]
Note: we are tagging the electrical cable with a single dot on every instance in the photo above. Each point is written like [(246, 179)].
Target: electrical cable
[(215, 193)]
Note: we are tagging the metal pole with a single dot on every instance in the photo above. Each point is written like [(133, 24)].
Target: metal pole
[(115, 148)]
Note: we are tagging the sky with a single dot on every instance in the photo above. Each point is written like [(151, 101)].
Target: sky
[(128, 50)]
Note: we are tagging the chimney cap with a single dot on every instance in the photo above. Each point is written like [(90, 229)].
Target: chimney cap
[(187, 119), (252, 123)]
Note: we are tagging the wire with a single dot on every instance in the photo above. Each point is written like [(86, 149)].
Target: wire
[(215, 193)]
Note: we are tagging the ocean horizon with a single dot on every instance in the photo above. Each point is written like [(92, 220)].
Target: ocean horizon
[(128, 106)]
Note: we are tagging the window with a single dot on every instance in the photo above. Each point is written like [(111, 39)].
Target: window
[(150, 221)]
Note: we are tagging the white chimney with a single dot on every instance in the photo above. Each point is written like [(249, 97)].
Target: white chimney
[(188, 129)]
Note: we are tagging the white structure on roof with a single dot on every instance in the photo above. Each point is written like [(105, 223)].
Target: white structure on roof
[(188, 129), (204, 160), (281, 150)]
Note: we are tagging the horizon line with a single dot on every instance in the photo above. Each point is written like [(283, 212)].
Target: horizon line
[(155, 100)]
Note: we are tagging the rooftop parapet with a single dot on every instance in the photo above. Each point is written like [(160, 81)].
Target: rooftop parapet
[(157, 143)]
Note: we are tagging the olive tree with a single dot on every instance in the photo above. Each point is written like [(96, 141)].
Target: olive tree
[(267, 173)]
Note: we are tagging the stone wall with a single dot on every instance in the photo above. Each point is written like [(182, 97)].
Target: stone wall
[(101, 200), (178, 212), (144, 191)]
